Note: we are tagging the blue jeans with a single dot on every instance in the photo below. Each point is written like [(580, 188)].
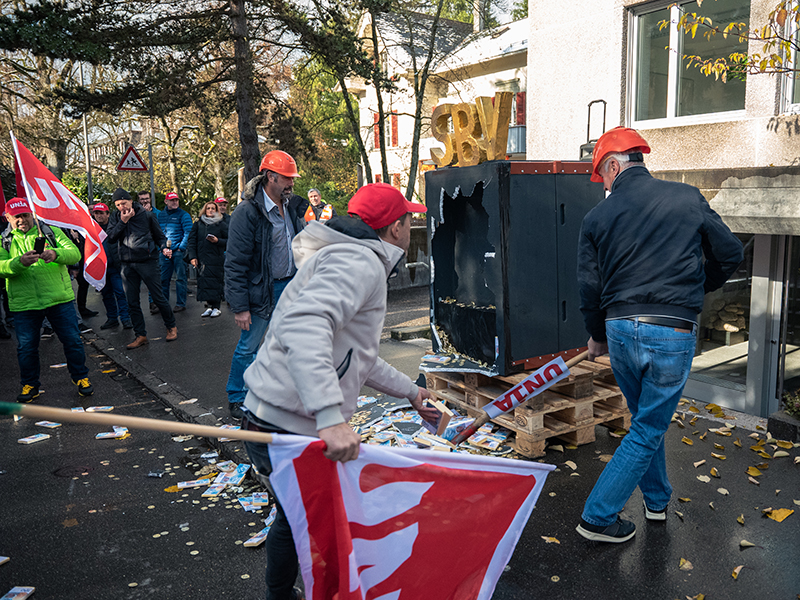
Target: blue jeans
[(282, 565), (64, 322), (246, 349), (178, 265), (114, 297), (651, 364)]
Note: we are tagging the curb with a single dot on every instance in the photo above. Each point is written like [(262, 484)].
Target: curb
[(411, 333), (784, 426)]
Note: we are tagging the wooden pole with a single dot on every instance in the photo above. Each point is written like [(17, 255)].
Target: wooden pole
[(59, 415), (484, 418)]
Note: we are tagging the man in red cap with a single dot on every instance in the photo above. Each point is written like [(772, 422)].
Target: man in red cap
[(222, 207), (258, 260), (39, 286), (322, 345), (647, 254), (176, 224)]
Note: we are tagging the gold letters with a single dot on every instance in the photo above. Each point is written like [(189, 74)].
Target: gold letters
[(480, 131)]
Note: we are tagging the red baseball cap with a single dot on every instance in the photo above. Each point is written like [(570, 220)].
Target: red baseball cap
[(171, 196), (380, 204), (221, 199), (100, 206), (17, 206)]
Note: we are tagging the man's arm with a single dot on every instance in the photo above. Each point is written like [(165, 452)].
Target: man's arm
[(239, 255), (591, 287), (67, 252), (155, 230), (116, 228), (186, 227), (723, 250)]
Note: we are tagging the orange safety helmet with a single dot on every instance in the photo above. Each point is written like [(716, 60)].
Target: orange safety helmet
[(616, 141), (279, 162)]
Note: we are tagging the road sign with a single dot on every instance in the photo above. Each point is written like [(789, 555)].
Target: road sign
[(131, 161)]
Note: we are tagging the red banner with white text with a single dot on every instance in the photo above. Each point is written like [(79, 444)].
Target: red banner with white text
[(402, 524), (54, 204)]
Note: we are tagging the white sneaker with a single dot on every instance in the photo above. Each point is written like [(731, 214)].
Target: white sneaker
[(207, 313), (216, 312)]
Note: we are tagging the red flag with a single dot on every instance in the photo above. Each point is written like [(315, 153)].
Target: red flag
[(401, 524), (54, 204)]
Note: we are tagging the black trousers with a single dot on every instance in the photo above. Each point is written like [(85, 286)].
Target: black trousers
[(149, 273)]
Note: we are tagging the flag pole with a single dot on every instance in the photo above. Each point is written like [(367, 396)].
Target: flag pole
[(58, 415), (31, 203)]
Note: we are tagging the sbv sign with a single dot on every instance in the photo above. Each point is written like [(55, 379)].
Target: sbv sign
[(480, 131)]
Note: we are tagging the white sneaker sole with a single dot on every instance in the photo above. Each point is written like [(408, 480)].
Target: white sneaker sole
[(599, 537), (654, 516)]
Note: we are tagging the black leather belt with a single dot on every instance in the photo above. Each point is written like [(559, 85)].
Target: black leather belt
[(249, 424), (673, 322)]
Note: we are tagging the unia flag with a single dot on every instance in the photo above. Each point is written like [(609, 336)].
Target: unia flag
[(402, 524), (54, 204)]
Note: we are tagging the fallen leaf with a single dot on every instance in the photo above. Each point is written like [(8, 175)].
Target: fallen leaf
[(699, 462), (70, 522), (746, 544), (753, 471), (711, 407), (571, 465), (604, 458), (764, 455), (685, 565), (784, 444), (680, 515), (766, 511), (550, 540), (714, 472), (711, 506), (777, 492), (737, 443), (736, 571), (719, 446), (680, 424), (693, 409), (686, 441), (704, 478), (693, 421), (723, 491), (796, 502), (574, 474), (718, 456), (740, 519), (755, 436), (557, 448), (780, 454), (780, 514), (759, 428), (797, 460), (684, 499), (702, 437), (762, 466), (753, 480)]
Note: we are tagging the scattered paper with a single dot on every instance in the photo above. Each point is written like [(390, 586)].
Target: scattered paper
[(32, 439), (48, 424)]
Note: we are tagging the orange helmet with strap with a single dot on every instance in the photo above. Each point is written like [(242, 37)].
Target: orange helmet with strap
[(620, 140), (279, 162)]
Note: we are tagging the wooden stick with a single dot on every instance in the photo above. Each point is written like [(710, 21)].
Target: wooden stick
[(59, 415), (484, 418)]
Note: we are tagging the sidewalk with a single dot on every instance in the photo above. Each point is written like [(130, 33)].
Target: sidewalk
[(706, 532)]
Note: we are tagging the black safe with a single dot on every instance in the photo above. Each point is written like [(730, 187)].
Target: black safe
[(504, 248)]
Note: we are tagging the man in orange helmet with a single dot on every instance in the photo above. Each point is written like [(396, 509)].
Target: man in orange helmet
[(647, 255), (258, 260)]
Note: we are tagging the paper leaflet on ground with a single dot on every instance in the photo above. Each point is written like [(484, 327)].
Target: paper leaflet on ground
[(32, 439), (19, 593), (48, 424), (259, 538), (213, 490), (233, 477), (387, 506), (183, 485), (118, 433), (535, 383), (453, 363)]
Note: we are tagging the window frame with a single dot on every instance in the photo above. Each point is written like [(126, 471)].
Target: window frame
[(788, 82), (671, 120)]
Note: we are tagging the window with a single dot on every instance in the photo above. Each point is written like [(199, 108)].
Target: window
[(663, 87), (792, 88)]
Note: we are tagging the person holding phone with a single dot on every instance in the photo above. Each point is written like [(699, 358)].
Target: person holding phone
[(206, 252), (38, 286)]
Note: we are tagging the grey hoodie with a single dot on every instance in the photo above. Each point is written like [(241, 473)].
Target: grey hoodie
[(323, 339)]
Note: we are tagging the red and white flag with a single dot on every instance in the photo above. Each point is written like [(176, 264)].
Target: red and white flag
[(54, 204), (402, 524)]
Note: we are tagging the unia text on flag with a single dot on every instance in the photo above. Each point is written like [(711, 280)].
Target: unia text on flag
[(54, 204), (399, 524)]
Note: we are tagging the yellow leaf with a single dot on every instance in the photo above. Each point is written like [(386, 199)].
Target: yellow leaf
[(737, 443), (762, 466), (712, 407), (699, 462), (693, 409), (557, 448), (753, 471), (719, 446), (784, 444), (718, 456), (759, 428), (702, 437), (693, 421), (780, 18), (550, 540), (687, 441), (681, 425), (680, 515), (740, 519), (780, 514), (746, 544), (736, 571), (685, 565), (685, 499), (571, 465), (714, 472)]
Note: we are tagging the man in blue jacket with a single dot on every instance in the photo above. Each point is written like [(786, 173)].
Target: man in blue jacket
[(176, 225), (642, 279), (259, 262)]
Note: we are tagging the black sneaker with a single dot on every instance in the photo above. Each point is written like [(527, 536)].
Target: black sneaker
[(88, 313), (47, 333), (179, 309), (127, 324), (617, 532), (654, 515), (153, 308), (29, 392), (235, 409), (4, 334), (84, 387), (110, 324)]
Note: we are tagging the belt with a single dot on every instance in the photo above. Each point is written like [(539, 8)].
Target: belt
[(284, 279), (673, 322), (249, 424)]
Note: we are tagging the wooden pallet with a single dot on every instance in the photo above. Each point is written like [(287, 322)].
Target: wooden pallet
[(569, 410)]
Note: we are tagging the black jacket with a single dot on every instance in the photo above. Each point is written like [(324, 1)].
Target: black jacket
[(248, 283), (112, 250), (211, 272), (140, 239), (641, 252)]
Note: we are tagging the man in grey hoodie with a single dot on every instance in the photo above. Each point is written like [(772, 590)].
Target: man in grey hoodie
[(322, 345)]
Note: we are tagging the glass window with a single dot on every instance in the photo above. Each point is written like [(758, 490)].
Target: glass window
[(664, 86)]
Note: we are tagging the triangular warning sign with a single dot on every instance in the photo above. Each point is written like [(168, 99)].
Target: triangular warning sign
[(131, 161)]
